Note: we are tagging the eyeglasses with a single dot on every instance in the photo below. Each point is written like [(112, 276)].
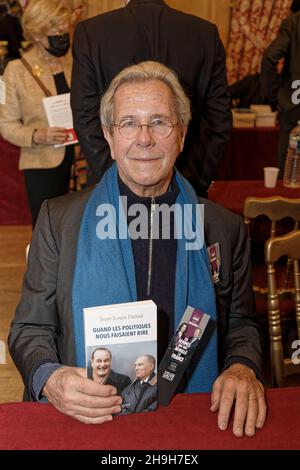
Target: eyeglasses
[(130, 129)]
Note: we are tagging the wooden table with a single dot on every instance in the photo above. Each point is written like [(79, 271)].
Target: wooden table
[(232, 194)]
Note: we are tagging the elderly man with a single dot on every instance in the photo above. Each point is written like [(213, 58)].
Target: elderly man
[(74, 264), (141, 395), (102, 373), (280, 89)]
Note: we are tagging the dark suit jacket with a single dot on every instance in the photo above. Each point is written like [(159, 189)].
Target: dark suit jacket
[(120, 381), (248, 91), (42, 330), (139, 398), (286, 45), (150, 30)]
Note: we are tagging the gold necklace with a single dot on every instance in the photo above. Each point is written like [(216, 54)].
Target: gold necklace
[(56, 66)]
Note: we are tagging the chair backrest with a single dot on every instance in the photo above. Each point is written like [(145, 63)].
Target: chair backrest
[(275, 208), (276, 247)]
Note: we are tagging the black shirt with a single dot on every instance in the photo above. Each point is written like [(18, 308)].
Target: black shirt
[(162, 289)]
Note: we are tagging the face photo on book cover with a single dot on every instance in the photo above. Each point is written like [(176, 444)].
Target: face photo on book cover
[(184, 352), (101, 371), (187, 336), (131, 369), (141, 394)]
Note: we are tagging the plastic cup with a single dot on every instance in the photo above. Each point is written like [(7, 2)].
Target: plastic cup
[(271, 175)]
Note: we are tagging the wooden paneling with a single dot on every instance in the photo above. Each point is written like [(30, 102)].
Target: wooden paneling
[(216, 11), (95, 7), (13, 241)]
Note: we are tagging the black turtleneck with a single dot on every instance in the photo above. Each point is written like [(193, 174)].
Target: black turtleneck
[(162, 290)]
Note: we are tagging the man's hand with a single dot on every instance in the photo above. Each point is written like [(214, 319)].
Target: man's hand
[(73, 394), (239, 383)]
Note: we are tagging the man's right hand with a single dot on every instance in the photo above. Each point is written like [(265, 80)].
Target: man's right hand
[(73, 394)]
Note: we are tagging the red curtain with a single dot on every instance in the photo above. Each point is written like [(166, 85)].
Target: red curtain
[(254, 25)]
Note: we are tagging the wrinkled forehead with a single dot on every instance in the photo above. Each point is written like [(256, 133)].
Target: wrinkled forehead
[(143, 361), (152, 97), (101, 355)]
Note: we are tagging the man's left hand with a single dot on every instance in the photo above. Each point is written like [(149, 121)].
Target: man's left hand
[(239, 383)]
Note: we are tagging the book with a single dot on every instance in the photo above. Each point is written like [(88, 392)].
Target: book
[(243, 118), (59, 114), (264, 115), (189, 341), (2, 91), (121, 350)]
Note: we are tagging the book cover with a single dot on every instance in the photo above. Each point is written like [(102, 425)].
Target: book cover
[(2, 92), (59, 114), (190, 340), (121, 350)]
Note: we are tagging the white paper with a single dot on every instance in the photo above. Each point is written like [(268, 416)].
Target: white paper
[(2, 92), (59, 114), (128, 330)]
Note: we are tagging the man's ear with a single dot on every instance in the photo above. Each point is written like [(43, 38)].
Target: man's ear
[(183, 134), (109, 138)]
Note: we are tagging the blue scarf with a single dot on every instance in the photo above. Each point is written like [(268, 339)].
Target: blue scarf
[(105, 273)]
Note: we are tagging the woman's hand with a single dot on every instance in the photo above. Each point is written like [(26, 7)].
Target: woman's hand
[(49, 136)]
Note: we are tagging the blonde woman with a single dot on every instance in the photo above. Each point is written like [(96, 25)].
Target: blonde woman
[(45, 70)]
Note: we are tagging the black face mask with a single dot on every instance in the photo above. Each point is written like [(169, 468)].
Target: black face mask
[(58, 45)]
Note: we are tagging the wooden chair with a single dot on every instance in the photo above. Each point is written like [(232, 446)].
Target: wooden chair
[(276, 247), (275, 208)]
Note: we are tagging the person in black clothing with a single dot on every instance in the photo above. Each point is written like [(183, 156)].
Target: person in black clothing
[(196, 336), (151, 30), (278, 88), (181, 332), (247, 91), (141, 395), (102, 373), (295, 6)]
